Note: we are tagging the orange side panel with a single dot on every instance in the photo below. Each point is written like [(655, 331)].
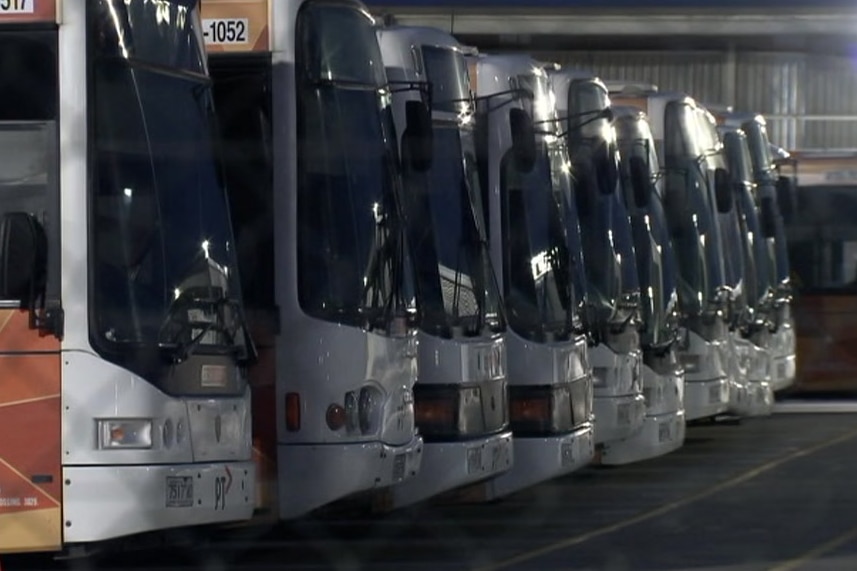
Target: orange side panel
[(30, 486), (826, 341), (232, 36), (262, 379), (27, 11)]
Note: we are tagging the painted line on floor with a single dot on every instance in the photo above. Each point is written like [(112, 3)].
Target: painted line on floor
[(667, 508)]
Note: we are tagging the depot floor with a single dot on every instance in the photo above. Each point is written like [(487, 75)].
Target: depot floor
[(778, 493)]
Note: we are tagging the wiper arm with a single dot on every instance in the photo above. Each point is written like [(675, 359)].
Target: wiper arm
[(344, 84), (182, 350)]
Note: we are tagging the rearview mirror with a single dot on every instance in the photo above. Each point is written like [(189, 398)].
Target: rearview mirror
[(723, 193), (641, 182), (769, 217), (523, 139), (418, 138), (23, 257)]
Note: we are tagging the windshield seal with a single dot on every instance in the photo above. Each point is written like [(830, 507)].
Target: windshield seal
[(164, 271), (352, 265)]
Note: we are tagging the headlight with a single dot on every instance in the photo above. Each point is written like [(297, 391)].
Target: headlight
[(454, 411), (124, 434), (692, 362), (555, 409)]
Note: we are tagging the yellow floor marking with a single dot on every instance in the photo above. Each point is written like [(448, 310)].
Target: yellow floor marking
[(731, 483), (817, 552)]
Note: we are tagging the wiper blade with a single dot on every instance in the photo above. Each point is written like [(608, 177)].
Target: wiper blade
[(344, 84), (213, 311)]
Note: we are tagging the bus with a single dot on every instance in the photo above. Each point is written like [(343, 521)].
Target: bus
[(613, 315), (460, 399), (822, 244), (748, 397), (663, 377), (770, 185), (316, 192), (125, 403), (690, 208), (753, 323), (523, 173)]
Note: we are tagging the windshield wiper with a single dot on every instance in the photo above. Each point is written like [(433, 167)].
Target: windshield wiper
[(213, 311)]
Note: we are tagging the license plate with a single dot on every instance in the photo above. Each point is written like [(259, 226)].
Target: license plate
[(664, 432), (623, 414), (179, 492), (714, 394), (399, 467), (474, 460), (567, 454)]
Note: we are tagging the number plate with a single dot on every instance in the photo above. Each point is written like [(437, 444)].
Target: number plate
[(17, 6), (179, 492), (567, 452), (623, 414), (664, 432), (399, 463), (474, 460), (225, 31), (714, 394)]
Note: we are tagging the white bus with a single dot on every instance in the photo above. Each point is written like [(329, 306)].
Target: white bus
[(315, 185), (125, 406), (663, 377), (524, 177), (608, 252), (690, 207), (460, 397)]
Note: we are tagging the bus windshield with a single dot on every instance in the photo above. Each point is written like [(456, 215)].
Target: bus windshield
[(689, 212), (351, 267), (732, 240), (760, 152), (455, 281), (759, 279), (537, 280), (164, 269), (605, 229), (655, 262)]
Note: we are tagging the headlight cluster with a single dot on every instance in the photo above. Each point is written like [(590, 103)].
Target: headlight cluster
[(555, 409)]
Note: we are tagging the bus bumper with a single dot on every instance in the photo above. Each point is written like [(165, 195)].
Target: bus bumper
[(450, 465), (109, 502), (703, 399), (618, 418), (541, 459), (661, 434), (312, 476)]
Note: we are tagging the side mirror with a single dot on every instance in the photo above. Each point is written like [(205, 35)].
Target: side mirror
[(523, 139), (641, 182), (607, 114), (769, 217), (418, 138), (723, 190), (23, 256)]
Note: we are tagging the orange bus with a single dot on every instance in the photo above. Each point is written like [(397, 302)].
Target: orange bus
[(822, 243)]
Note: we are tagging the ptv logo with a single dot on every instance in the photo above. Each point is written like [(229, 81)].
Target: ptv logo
[(222, 485)]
